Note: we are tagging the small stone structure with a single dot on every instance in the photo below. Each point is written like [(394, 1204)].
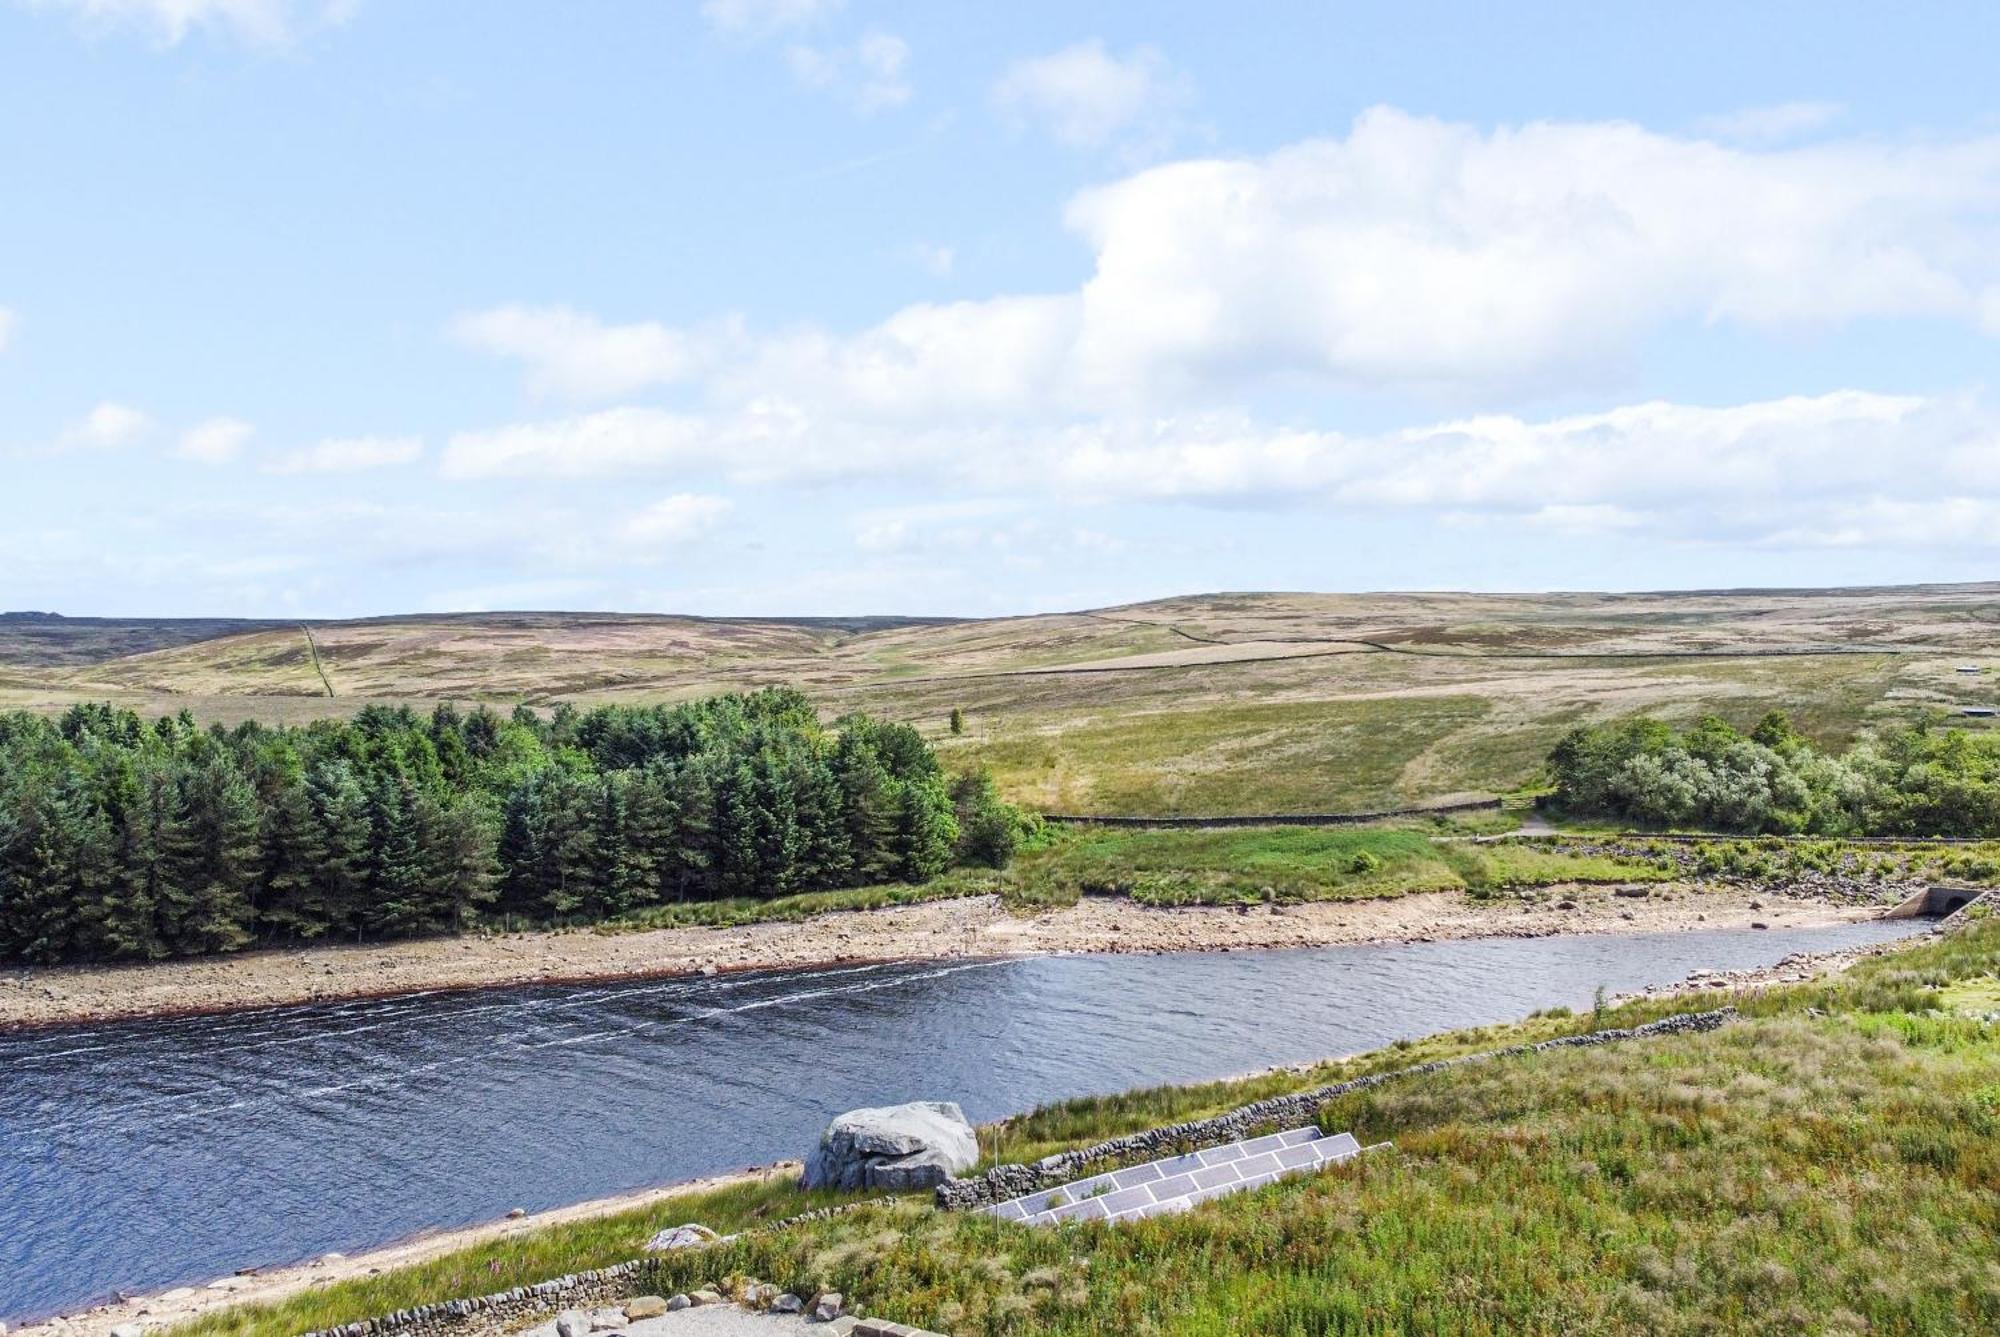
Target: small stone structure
[(1177, 1183), (1937, 900), (895, 1148)]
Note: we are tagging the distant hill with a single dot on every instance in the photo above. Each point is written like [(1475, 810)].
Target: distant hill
[(1227, 702)]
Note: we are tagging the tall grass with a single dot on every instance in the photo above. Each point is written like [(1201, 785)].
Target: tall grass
[(1829, 1163)]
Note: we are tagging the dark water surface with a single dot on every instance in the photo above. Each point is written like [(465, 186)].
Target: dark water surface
[(140, 1155)]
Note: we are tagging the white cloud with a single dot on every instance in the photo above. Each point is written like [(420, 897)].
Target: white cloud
[(216, 441), (259, 22), (937, 261), (1413, 254), (671, 521), (757, 19), (576, 355), (1773, 124), (868, 73), (105, 427), (349, 455), (1754, 472), (1085, 96)]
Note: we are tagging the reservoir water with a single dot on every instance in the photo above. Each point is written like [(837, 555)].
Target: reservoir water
[(141, 1155)]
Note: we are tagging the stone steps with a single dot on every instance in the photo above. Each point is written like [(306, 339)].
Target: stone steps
[(1176, 1183)]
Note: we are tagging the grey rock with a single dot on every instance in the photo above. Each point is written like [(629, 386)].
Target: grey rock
[(689, 1236), (607, 1320), (826, 1306), (788, 1304), (706, 1296), (572, 1323), (893, 1147), (645, 1306), (678, 1303)]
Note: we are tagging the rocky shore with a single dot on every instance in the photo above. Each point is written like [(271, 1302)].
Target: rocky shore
[(940, 930)]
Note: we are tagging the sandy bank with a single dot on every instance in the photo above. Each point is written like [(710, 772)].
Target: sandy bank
[(940, 930), (269, 1285)]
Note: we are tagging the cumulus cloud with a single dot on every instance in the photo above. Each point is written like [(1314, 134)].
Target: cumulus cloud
[(1415, 254), (576, 355), (105, 427), (349, 455), (1768, 471), (1086, 97), (757, 19), (868, 73), (259, 22), (1773, 124), (672, 521), (215, 441)]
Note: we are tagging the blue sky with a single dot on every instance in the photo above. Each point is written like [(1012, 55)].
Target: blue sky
[(800, 306)]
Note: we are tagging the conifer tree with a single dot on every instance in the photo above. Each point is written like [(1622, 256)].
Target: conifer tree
[(205, 906)]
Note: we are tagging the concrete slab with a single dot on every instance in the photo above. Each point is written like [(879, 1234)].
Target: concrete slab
[(709, 1321)]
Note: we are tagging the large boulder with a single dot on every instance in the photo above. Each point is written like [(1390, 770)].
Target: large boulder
[(897, 1148)]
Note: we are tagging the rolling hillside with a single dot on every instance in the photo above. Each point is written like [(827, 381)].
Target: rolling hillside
[(1209, 703)]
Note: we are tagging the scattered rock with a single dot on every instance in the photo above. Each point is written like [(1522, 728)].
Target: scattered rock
[(788, 1304), (674, 1306), (1756, 905), (1565, 905), (826, 1306), (650, 1306), (608, 1320), (895, 1147), (689, 1236), (1758, 923), (705, 1296), (517, 1213), (1637, 893), (572, 1323)]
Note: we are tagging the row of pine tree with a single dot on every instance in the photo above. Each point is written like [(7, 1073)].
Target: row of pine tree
[(124, 838)]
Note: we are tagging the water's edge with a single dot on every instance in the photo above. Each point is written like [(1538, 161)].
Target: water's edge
[(142, 1155)]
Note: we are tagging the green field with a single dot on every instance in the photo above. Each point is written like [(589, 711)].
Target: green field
[(1227, 703), (1828, 1163)]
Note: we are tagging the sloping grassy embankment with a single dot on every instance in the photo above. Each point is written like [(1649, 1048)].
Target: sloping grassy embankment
[(1830, 1162)]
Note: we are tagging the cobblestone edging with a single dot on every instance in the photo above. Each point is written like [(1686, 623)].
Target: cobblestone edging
[(1013, 1181), (494, 1312)]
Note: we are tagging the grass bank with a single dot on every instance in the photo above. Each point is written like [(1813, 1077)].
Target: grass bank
[(1830, 1162)]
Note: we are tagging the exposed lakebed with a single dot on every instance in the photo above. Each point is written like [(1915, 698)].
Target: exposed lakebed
[(139, 1155)]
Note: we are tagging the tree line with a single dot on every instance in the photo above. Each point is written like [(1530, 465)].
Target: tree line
[(128, 838), (1924, 780)]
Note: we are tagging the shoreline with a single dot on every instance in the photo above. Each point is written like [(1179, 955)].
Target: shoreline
[(961, 928), (1433, 917), (281, 1281)]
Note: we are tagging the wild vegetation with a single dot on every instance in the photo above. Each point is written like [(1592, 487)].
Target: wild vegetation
[(124, 838), (1925, 780), (1828, 1162), (1228, 703)]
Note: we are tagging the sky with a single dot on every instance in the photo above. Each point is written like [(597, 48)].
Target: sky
[(328, 308)]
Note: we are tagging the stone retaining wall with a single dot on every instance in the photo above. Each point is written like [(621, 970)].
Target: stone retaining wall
[(1013, 1181), (503, 1310)]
